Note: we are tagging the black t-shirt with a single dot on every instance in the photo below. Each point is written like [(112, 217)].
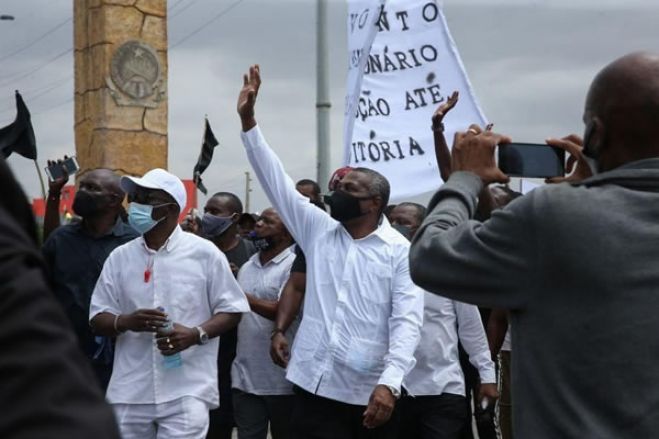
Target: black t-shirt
[(300, 262), (241, 253)]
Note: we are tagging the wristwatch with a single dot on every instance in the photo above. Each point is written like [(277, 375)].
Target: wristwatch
[(203, 337), (394, 391)]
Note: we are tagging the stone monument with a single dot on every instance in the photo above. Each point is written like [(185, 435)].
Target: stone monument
[(121, 84)]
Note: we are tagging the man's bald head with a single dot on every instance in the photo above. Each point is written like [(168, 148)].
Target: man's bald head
[(622, 111), (107, 179)]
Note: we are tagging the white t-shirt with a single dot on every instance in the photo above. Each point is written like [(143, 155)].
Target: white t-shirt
[(253, 370)]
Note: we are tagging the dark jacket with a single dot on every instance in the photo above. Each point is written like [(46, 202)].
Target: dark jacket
[(578, 265), (47, 388)]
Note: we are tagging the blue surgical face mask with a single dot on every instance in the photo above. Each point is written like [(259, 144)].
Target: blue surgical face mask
[(139, 217), (213, 226)]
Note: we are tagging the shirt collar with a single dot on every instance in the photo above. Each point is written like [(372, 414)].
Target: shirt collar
[(276, 260), (171, 242), (384, 231)]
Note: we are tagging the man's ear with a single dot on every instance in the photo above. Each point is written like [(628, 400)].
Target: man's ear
[(235, 217), (594, 138), (377, 205)]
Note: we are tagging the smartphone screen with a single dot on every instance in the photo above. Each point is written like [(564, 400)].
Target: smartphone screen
[(531, 160), (68, 166)]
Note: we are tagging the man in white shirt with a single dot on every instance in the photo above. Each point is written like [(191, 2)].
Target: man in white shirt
[(437, 406), (166, 275), (261, 394), (362, 313)]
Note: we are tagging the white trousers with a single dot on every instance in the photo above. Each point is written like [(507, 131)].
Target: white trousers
[(185, 417)]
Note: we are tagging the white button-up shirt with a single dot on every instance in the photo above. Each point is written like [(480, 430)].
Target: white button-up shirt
[(362, 313), (253, 370), (192, 280), (437, 368)]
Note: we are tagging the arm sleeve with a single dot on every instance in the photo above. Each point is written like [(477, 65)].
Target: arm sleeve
[(472, 336), (224, 292), (104, 296), (404, 326), (303, 219), (488, 264)]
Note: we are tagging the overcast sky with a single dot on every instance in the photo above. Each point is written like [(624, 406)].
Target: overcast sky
[(529, 61)]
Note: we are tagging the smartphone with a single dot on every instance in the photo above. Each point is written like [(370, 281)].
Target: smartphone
[(68, 166), (531, 160)]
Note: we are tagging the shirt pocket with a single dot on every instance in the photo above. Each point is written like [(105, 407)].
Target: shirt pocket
[(376, 282), (366, 356), (187, 299)]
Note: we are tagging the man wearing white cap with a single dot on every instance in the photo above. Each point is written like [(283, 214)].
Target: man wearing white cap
[(163, 386)]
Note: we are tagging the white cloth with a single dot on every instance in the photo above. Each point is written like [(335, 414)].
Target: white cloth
[(192, 280), (182, 418), (437, 368), (362, 313), (252, 370)]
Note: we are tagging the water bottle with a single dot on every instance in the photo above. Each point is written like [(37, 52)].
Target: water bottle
[(169, 361)]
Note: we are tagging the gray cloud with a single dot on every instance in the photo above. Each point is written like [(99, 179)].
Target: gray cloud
[(530, 63)]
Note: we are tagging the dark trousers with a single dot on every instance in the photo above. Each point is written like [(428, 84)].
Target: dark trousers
[(315, 417), (432, 417), (255, 413)]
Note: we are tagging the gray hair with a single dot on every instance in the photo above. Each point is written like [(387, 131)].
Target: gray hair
[(379, 185)]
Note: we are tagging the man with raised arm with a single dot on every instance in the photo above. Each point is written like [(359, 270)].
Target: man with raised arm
[(362, 313)]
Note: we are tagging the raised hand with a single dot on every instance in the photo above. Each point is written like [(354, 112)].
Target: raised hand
[(247, 97), (473, 151), (572, 144), (55, 186), (443, 109)]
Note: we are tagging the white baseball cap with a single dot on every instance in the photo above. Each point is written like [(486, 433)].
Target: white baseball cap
[(157, 179)]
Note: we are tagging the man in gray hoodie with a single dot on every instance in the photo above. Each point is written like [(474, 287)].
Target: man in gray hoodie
[(576, 263)]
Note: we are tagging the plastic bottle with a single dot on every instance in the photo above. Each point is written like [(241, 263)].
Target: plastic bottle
[(170, 361)]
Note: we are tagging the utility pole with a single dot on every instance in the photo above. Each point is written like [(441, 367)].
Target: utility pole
[(323, 103), (247, 190)]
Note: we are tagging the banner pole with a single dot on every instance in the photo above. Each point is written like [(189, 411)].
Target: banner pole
[(43, 187)]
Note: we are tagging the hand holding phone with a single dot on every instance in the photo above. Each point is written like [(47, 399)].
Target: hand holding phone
[(60, 170)]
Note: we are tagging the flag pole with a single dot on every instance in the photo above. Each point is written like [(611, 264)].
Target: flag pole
[(43, 186), (323, 103)]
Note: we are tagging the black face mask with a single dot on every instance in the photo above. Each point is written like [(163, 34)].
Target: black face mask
[(406, 231), (88, 205), (261, 244), (343, 206)]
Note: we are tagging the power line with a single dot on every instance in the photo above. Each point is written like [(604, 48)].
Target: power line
[(44, 35), (27, 73), (172, 7), (203, 26), (177, 13), (42, 91), (46, 110)]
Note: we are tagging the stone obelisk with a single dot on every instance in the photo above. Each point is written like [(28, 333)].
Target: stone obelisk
[(121, 84)]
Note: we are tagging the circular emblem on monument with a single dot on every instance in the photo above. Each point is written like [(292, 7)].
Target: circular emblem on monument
[(136, 73)]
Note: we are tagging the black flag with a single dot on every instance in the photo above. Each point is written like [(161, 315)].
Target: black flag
[(18, 136), (205, 157)]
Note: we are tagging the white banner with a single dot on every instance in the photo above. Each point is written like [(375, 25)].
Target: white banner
[(413, 66), (362, 29)]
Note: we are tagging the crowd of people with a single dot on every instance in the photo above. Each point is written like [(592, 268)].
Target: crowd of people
[(344, 316)]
